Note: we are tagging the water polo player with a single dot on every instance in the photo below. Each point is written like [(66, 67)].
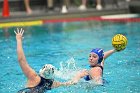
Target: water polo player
[(96, 65), (97, 58), (38, 83)]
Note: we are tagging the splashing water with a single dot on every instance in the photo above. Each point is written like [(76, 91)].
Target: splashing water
[(67, 69)]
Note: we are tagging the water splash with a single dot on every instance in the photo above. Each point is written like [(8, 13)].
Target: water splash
[(67, 69), (69, 64)]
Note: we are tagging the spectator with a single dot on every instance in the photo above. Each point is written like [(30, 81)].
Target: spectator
[(128, 0), (83, 5), (65, 6), (29, 10), (27, 6), (50, 4), (84, 2)]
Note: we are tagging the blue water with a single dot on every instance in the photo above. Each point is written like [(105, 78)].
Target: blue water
[(71, 42)]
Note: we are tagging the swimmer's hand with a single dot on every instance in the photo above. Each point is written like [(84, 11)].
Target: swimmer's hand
[(119, 50), (19, 33)]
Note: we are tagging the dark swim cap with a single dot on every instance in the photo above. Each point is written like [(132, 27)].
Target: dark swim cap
[(99, 52)]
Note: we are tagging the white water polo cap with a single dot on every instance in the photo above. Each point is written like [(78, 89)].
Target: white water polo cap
[(47, 71)]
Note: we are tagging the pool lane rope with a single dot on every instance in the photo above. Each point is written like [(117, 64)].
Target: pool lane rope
[(19, 24), (110, 18)]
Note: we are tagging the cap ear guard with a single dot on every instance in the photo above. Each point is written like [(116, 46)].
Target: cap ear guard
[(47, 71)]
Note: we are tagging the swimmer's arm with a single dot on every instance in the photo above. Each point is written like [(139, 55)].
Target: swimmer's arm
[(28, 71), (58, 84), (68, 83), (73, 81), (108, 53)]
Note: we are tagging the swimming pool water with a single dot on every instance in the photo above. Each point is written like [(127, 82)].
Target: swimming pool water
[(56, 43)]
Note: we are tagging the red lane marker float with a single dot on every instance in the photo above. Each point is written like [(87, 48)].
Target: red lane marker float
[(70, 19), (123, 20), (92, 19)]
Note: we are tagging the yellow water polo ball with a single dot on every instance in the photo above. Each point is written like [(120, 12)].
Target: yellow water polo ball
[(119, 42)]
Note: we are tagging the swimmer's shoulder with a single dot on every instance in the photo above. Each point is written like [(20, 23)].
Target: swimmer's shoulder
[(96, 71), (33, 82), (97, 68)]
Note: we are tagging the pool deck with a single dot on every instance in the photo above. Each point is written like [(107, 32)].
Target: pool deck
[(74, 12)]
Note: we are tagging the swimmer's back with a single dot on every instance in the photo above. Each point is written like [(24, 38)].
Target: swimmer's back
[(45, 84)]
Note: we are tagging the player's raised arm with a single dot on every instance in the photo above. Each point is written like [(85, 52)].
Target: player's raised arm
[(27, 70)]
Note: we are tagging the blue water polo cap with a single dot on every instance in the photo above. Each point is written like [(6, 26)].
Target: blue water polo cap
[(99, 52)]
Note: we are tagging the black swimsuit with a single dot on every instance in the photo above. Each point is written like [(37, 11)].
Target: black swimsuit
[(45, 84)]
